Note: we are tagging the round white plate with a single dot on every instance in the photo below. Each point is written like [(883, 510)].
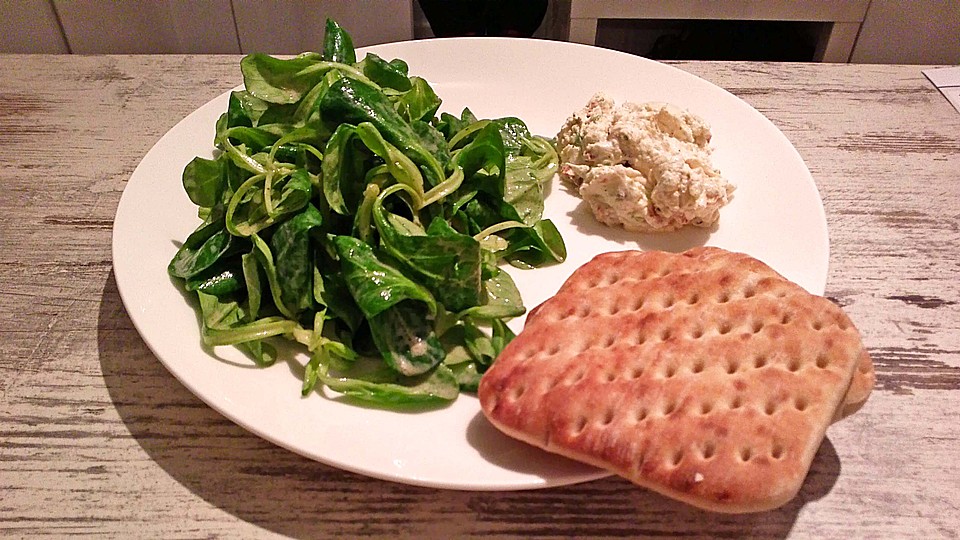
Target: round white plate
[(776, 216)]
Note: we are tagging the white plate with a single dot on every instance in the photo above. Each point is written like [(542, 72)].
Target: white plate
[(776, 216)]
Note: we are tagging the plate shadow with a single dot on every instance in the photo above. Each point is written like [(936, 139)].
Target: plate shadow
[(285, 493)]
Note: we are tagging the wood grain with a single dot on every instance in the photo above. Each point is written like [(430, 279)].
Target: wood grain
[(98, 439)]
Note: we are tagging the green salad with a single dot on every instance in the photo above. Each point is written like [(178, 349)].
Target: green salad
[(344, 213)]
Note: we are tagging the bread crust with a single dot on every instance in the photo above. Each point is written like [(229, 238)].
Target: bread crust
[(705, 376)]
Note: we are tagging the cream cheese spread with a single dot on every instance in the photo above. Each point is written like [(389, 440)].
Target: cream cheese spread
[(644, 167)]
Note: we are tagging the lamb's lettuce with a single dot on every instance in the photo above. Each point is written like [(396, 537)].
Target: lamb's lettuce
[(343, 212)]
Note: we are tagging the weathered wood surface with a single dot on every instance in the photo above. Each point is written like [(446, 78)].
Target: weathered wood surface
[(97, 438)]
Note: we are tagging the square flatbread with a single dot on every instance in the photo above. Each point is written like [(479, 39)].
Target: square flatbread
[(705, 376)]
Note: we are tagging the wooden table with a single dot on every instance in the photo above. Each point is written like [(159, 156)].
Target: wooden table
[(97, 438)]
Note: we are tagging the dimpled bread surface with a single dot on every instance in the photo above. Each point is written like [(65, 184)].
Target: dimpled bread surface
[(705, 376)]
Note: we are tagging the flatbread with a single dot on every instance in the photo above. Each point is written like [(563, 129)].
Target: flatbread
[(864, 378), (861, 386), (705, 376)]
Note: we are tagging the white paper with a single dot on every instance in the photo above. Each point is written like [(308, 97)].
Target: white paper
[(947, 80)]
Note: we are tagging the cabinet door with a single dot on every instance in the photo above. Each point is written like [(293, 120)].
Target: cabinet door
[(283, 27), (30, 26), (914, 32), (148, 26)]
